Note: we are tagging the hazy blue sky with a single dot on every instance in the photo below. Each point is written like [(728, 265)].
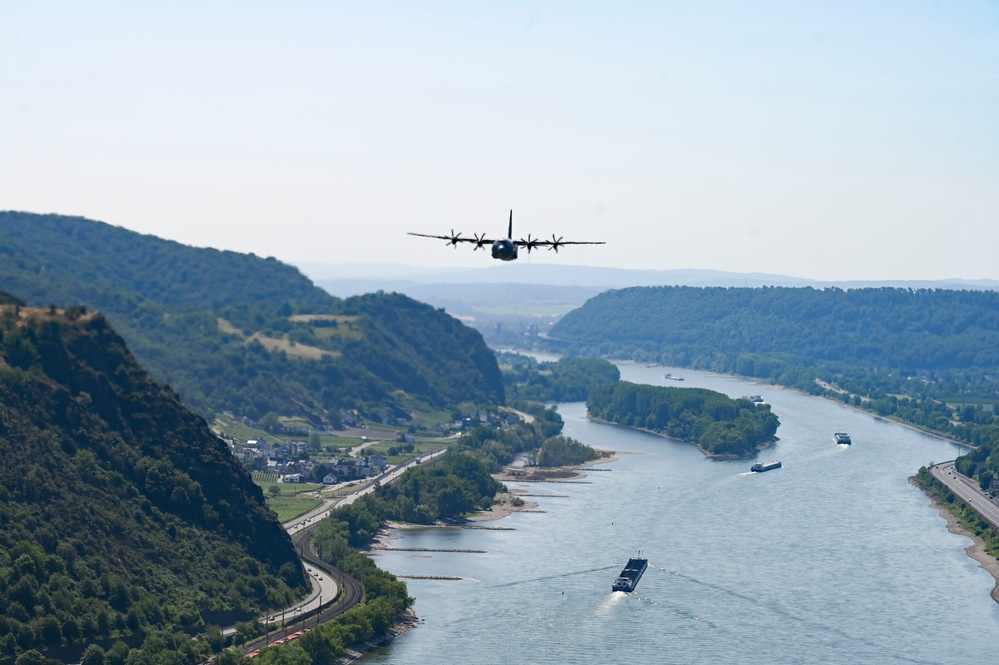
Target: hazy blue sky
[(832, 140)]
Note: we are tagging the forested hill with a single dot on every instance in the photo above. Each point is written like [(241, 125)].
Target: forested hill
[(885, 327), (237, 332), (71, 259), (122, 517)]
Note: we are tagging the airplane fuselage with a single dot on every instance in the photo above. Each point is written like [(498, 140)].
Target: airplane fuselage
[(505, 249)]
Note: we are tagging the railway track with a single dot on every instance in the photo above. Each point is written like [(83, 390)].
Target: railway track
[(350, 592)]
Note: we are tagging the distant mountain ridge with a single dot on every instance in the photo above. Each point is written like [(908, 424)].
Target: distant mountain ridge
[(900, 329), (237, 332), (123, 517), (512, 304), (524, 272)]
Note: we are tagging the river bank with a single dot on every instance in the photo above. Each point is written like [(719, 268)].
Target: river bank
[(406, 623), (504, 504), (976, 550), (757, 381), (710, 455), (860, 409)]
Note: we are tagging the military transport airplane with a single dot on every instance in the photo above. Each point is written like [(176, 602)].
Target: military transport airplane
[(505, 249)]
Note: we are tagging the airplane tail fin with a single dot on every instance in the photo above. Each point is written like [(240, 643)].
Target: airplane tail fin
[(509, 233)]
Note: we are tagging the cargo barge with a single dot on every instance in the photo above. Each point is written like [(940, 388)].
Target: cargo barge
[(769, 466), (628, 579)]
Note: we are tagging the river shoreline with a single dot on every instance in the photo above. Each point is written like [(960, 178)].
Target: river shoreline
[(976, 550), (724, 456), (506, 504), (759, 382)]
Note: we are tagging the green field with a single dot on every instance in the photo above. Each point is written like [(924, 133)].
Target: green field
[(291, 499), (284, 489), (241, 433), (330, 443), (419, 448), (290, 507)]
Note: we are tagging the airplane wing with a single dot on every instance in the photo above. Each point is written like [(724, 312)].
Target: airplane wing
[(561, 242), (455, 238), (554, 243)]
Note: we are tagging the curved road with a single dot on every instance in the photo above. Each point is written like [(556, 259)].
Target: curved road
[(336, 592), (323, 577), (333, 592), (967, 490)]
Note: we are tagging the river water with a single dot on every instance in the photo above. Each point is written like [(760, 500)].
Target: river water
[(834, 558)]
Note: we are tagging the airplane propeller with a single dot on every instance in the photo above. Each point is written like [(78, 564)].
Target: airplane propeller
[(530, 243), (555, 244), (479, 240), (455, 237)]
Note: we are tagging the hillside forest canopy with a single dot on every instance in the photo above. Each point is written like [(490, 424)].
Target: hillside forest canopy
[(567, 379), (235, 332), (123, 520)]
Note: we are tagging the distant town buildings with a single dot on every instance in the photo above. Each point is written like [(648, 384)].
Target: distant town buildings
[(288, 461)]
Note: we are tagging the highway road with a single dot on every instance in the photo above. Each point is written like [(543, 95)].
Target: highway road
[(328, 584), (321, 575), (393, 474), (309, 519), (967, 490)]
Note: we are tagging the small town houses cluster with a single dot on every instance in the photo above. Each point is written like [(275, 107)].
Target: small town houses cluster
[(283, 459)]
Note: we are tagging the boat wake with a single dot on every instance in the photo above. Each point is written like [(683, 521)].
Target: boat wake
[(775, 609), (554, 577), (642, 597), (611, 601)]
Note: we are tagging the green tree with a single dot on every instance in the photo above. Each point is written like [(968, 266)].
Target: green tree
[(93, 655), (270, 421), (31, 657)]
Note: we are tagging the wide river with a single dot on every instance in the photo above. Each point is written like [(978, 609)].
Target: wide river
[(835, 558)]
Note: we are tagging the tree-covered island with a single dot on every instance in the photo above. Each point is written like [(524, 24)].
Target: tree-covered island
[(721, 426)]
